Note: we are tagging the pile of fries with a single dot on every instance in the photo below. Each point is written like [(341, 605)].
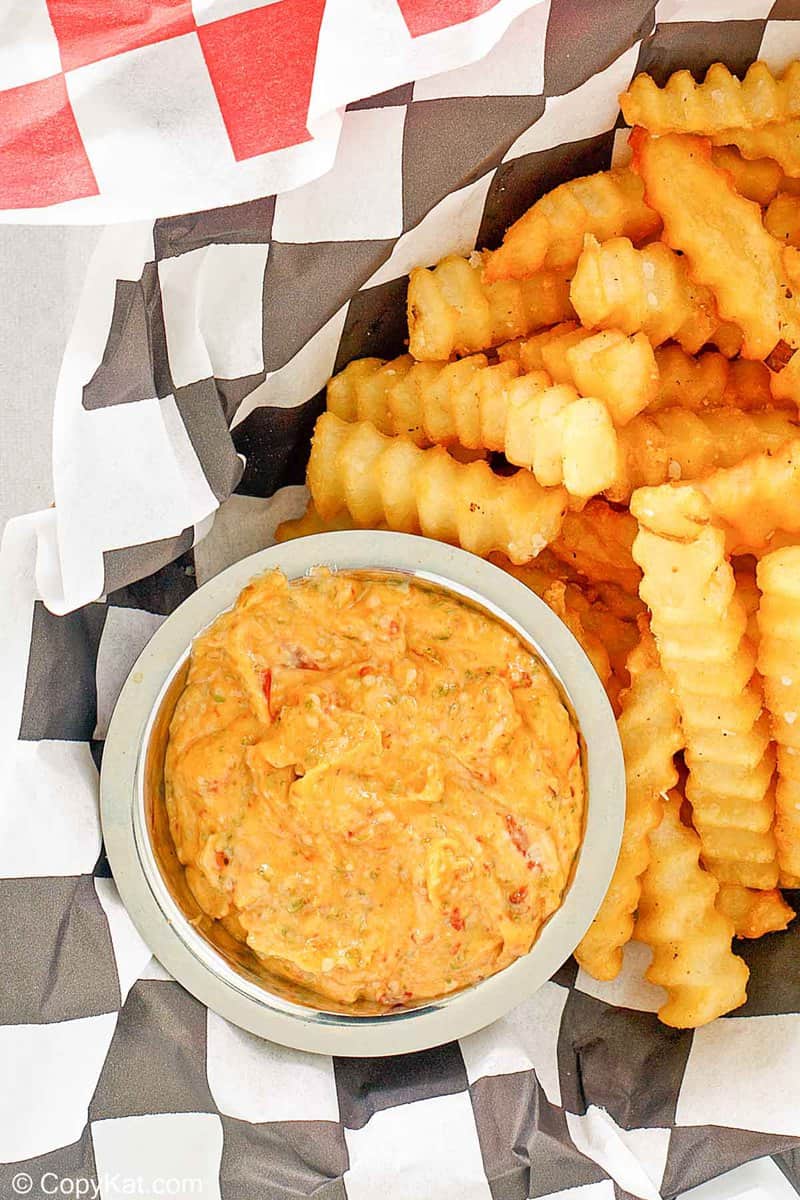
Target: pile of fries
[(606, 406)]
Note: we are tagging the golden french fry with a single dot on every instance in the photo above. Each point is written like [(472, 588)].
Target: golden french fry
[(549, 236), (649, 728), (744, 573), (676, 443), (613, 367), (723, 238), (561, 437), (785, 384), (616, 286), (720, 102), (354, 468), (690, 938), (757, 179), (757, 500), (597, 542), (699, 624), (778, 575), (538, 573), (555, 597), (311, 522), (452, 309), (782, 219), (754, 913), (556, 434), (779, 141), (428, 402), (618, 369), (546, 350), (711, 381)]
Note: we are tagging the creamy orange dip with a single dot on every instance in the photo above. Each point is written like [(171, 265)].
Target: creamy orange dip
[(376, 786)]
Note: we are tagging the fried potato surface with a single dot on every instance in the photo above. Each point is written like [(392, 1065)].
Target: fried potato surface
[(649, 728), (616, 286), (354, 468), (723, 237), (611, 366), (561, 437), (756, 179), (782, 219), (710, 380), (758, 499), (690, 938), (720, 102), (597, 542), (676, 443), (453, 309), (311, 522), (778, 576), (699, 623), (778, 141), (754, 913), (555, 597), (549, 236)]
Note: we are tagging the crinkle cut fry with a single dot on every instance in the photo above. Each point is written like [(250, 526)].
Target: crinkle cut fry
[(720, 102), (556, 597), (616, 286), (711, 380), (561, 437), (609, 365), (453, 309), (690, 938), (354, 468), (700, 623), (778, 142), (778, 576), (310, 523), (723, 237), (754, 913), (782, 219), (675, 443), (757, 500), (649, 728), (597, 542), (549, 236), (756, 179)]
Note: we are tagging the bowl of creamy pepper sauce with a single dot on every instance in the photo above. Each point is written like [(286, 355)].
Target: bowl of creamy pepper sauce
[(362, 793)]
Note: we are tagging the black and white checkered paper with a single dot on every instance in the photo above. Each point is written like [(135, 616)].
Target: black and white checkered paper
[(184, 409)]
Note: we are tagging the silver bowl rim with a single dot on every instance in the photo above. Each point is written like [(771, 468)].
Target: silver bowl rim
[(196, 964)]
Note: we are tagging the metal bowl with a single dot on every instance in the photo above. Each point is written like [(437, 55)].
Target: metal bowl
[(208, 960)]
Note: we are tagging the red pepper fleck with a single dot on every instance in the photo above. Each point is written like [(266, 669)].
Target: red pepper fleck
[(365, 671), (518, 896), (456, 919), (517, 834), (524, 680), (222, 859), (266, 687), (394, 627), (306, 664)]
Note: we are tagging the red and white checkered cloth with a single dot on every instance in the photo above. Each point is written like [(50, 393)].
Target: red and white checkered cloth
[(136, 108)]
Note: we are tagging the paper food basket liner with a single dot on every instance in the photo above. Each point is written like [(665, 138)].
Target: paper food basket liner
[(188, 394)]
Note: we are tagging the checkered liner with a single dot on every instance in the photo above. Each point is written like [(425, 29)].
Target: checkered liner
[(233, 319), (126, 109)]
